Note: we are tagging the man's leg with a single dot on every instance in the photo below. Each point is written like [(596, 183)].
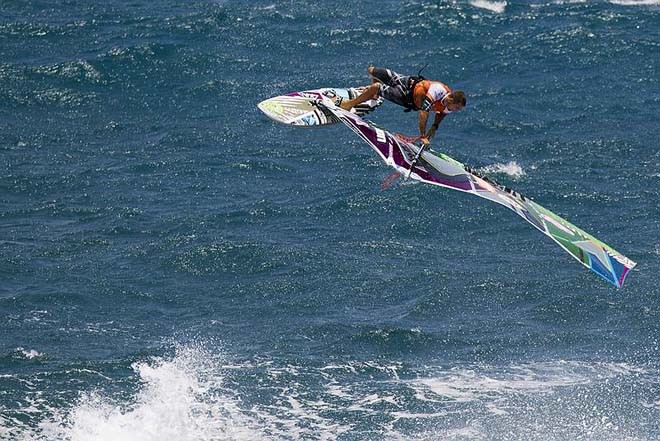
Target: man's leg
[(386, 76), (370, 92), (371, 74)]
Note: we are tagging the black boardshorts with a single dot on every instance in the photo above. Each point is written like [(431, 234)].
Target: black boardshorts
[(393, 86)]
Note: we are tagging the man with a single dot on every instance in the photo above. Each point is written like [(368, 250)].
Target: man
[(413, 93)]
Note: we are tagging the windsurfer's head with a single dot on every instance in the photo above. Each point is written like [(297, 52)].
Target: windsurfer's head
[(455, 101)]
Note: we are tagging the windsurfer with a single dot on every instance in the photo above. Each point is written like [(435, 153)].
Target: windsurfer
[(414, 93)]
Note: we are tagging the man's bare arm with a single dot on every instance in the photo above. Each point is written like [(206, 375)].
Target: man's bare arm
[(439, 116), (423, 118)]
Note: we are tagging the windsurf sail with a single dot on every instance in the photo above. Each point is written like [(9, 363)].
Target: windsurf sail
[(439, 169)]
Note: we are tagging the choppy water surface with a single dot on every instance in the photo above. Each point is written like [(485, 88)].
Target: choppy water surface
[(175, 266)]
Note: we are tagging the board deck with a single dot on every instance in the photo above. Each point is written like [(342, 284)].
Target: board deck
[(300, 109)]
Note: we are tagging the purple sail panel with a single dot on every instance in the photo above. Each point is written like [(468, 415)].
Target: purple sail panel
[(376, 138), (399, 158), (403, 157), (401, 152), (431, 175)]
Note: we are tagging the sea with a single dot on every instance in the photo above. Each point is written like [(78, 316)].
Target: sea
[(175, 266)]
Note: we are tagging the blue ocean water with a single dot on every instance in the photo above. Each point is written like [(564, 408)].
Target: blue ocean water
[(176, 266)]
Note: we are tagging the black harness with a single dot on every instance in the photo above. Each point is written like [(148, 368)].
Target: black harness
[(410, 98)]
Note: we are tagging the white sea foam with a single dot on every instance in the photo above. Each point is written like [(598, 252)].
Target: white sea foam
[(636, 2), (198, 395), (512, 169), (497, 7), (185, 399), (180, 399), (486, 384), (28, 354)]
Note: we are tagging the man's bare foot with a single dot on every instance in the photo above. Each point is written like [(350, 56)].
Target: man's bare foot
[(343, 103)]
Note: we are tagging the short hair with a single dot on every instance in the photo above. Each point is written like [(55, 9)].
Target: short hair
[(459, 97)]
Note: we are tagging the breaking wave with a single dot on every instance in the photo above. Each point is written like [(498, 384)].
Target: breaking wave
[(198, 394)]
